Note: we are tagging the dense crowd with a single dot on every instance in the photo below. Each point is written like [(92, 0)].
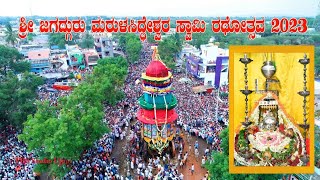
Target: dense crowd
[(197, 114), (119, 119), (46, 92), (15, 162), (96, 163), (120, 116)]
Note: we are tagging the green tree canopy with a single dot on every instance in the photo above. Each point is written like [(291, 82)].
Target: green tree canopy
[(130, 45), (58, 39), (150, 38), (87, 41), (30, 36), (201, 38), (76, 123), (11, 60), (133, 49), (17, 93), (317, 60), (317, 23), (17, 98), (10, 35), (169, 48)]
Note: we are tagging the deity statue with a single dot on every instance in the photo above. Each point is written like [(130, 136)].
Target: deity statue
[(268, 136), (269, 121)]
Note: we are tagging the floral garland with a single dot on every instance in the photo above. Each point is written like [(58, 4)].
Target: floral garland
[(274, 146), (283, 149), (152, 89), (159, 145), (295, 129), (266, 155)]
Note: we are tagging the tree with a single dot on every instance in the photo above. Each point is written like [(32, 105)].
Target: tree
[(76, 123), (236, 39), (122, 42), (316, 39), (59, 39), (11, 59), (307, 40), (133, 49), (150, 38), (17, 98), (168, 50), (30, 36), (87, 41), (311, 21), (201, 38), (219, 167), (178, 40), (112, 73), (276, 39), (39, 132), (317, 23), (75, 38), (130, 45), (10, 35), (267, 31), (17, 94)]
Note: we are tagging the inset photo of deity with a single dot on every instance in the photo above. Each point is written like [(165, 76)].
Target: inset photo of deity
[(271, 109)]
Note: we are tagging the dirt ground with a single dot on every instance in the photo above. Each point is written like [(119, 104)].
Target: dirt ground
[(118, 153), (199, 171)]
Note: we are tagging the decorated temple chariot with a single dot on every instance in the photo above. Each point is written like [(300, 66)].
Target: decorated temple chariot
[(157, 114)]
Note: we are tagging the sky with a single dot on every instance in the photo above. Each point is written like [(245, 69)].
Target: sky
[(298, 8)]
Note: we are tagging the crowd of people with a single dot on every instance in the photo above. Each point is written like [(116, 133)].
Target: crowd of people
[(196, 112), (120, 119), (200, 114), (15, 162), (46, 93), (96, 163)]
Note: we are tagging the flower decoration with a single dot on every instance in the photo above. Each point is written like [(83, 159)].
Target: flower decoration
[(282, 146)]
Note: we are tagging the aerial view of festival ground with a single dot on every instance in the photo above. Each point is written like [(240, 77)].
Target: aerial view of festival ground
[(112, 107)]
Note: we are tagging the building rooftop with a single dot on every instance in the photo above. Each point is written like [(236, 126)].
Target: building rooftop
[(39, 54), (41, 39), (28, 47), (73, 49), (90, 52)]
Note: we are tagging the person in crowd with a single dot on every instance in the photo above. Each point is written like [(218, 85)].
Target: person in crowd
[(192, 169), (196, 118)]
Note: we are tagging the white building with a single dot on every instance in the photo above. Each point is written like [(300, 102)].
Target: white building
[(188, 49), (210, 53)]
